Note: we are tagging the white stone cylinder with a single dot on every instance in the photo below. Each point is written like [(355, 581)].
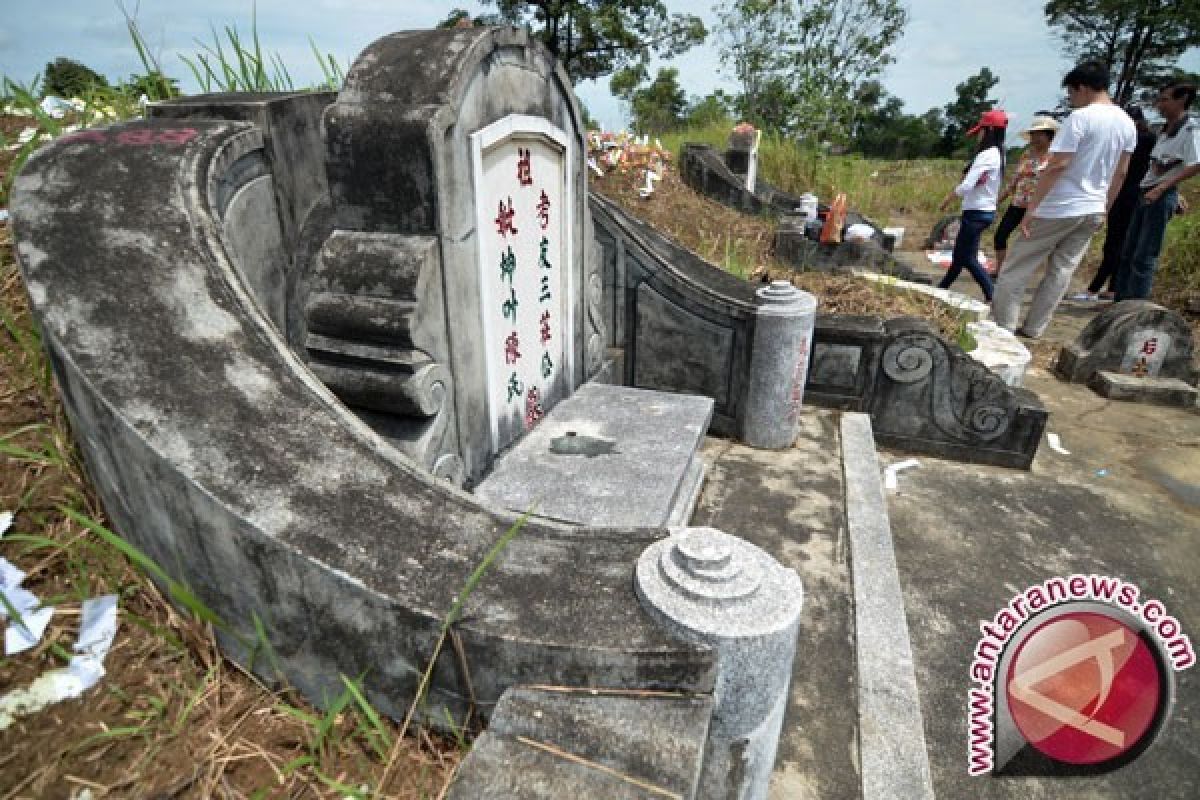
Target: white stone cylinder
[(783, 331), (715, 589)]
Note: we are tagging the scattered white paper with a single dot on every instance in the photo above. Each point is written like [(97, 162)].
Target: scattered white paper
[(595, 167), (27, 632), (6, 517), (49, 688), (4, 218), (648, 189), (889, 474), (88, 670), (21, 599), (1056, 444), (10, 575), (99, 626), (97, 629)]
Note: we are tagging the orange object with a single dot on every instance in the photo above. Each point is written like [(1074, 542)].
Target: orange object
[(831, 233)]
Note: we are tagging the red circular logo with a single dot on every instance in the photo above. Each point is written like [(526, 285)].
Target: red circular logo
[(1084, 688)]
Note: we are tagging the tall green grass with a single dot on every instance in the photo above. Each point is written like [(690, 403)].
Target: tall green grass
[(879, 189)]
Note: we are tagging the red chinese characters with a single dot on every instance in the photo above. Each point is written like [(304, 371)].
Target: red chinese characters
[(504, 219), (524, 172)]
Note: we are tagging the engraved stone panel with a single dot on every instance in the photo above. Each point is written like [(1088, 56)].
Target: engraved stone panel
[(679, 351), (835, 364), (524, 218)]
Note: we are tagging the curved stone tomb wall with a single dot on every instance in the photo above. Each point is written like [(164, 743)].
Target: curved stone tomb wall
[(217, 452)]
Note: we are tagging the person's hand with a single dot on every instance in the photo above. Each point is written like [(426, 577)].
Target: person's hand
[(1026, 221), (1182, 205), (1152, 194), (944, 205)]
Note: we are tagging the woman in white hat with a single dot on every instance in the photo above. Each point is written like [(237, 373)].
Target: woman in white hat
[(1021, 186)]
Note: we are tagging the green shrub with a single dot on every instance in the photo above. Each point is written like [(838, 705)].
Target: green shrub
[(68, 78)]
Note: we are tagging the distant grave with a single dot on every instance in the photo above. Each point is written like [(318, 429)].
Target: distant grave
[(1136, 351)]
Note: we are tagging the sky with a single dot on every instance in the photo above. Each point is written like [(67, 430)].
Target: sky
[(945, 42)]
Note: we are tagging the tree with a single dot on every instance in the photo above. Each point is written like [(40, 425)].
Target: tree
[(801, 62), (970, 102), (1136, 39), (461, 18), (713, 109), (883, 130), (657, 108), (68, 78), (594, 38)]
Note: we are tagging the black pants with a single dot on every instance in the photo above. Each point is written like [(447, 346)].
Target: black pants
[(1008, 223), (1114, 240)]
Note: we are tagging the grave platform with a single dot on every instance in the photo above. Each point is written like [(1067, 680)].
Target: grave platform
[(608, 456), (1152, 391)]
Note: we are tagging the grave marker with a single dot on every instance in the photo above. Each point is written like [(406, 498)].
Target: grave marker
[(524, 208)]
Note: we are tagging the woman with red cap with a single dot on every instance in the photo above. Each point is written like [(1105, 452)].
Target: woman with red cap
[(979, 189)]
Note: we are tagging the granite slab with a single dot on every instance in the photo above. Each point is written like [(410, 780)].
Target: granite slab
[(609, 456)]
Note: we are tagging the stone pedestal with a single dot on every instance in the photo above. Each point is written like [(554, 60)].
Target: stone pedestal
[(779, 366), (709, 587)]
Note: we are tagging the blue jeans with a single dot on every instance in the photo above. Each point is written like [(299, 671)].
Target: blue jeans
[(966, 251), (1143, 244)]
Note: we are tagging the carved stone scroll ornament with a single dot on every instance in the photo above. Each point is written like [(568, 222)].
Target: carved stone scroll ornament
[(966, 401), (597, 335)]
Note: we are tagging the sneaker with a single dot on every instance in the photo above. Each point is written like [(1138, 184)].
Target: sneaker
[(1083, 297), (1024, 334)]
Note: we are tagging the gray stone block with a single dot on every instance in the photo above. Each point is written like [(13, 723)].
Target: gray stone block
[(930, 397), (1152, 391), (609, 456), (555, 743), (722, 592), (892, 752)]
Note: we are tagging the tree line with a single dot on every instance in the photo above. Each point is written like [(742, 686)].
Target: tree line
[(806, 69), (810, 69)]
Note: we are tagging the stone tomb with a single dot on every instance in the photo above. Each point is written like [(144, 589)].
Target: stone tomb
[(1136, 351), (279, 375)]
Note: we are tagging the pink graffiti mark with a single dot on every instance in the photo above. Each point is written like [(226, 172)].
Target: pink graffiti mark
[(798, 380), (138, 137)]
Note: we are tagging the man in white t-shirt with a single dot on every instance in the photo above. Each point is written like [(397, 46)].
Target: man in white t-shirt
[(1088, 160), (1175, 158)]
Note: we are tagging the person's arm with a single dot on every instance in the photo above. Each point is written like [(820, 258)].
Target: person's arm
[(1010, 185), (980, 166), (1118, 180), (1156, 191)]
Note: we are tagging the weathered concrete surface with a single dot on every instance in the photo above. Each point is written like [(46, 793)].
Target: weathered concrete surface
[(790, 503), (609, 456), (554, 743), (1152, 391), (892, 752), (1125, 503)]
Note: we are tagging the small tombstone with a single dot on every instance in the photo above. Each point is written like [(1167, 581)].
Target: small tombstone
[(1135, 338), (742, 155)]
